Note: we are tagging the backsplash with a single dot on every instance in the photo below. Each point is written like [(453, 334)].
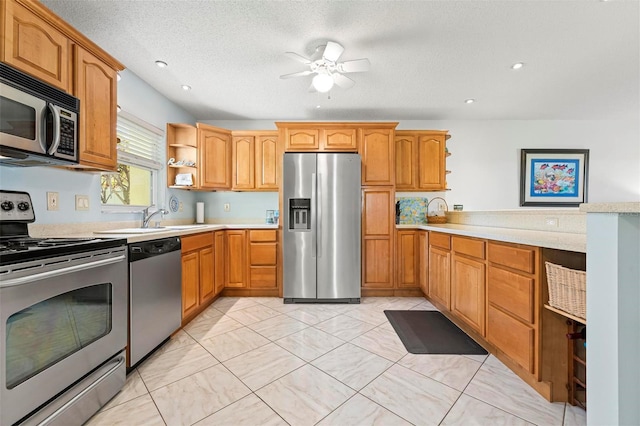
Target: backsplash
[(550, 220), (413, 210)]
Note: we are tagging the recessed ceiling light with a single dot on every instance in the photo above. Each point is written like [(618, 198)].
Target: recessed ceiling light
[(318, 106), (161, 64), (469, 101), (185, 87), (517, 65)]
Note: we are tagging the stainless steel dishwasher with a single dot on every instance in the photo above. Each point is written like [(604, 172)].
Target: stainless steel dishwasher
[(155, 295)]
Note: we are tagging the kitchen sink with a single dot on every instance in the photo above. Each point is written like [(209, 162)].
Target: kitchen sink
[(133, 230)]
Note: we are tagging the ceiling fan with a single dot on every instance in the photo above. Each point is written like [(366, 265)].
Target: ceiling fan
[(327, 69)]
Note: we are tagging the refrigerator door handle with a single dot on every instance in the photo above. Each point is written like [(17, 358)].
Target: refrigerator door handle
[(319, 214), (314, 203)]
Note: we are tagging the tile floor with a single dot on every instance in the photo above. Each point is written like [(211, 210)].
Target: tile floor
[(257, 361)]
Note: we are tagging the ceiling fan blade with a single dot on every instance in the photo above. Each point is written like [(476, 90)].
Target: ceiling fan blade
[(297, 74), (297, 57), (332, 51), (357, 65), (343, 81)]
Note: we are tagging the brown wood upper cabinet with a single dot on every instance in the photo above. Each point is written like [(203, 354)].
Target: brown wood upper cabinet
[(329, 137), (95, 85), (208, 147), (254, 161), (214, 154), (40, 43), (378, 154), (420, 160), (34, 46)]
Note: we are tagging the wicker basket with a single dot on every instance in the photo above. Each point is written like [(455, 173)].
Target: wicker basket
[(434, 218), (567, 289)]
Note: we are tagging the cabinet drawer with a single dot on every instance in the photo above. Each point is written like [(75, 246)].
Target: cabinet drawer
[(514, 257), (440, 240), (262, 277), (256, 235), (195, 242), (512, 337), (474, 248), (512, 292), (262, 254)]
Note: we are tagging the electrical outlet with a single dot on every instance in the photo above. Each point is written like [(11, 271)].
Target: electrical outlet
[(227, 207), (551, 221), (52, 201), (82, 202)]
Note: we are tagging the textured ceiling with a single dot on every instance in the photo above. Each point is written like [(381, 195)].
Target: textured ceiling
[(582, 57)]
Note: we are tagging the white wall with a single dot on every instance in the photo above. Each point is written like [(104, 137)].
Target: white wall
[(135, 97), (485, 160)]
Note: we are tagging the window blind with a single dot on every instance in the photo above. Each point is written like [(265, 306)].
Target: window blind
[(139, 142)]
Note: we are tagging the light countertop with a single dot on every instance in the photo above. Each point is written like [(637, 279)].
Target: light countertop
[(554, 240), (610, 207)]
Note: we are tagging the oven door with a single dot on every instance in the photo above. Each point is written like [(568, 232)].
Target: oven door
[(22, 122), (59, 321)]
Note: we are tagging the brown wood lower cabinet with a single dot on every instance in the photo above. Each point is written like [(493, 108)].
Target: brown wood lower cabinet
[(495, 292), (468, 289), (439, 268), (198, 282), (251, 262), (263, 247)]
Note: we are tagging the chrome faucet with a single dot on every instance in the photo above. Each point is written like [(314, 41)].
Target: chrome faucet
[(146, 217)]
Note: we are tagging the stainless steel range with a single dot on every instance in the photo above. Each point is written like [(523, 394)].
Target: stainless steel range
[(63, 321)]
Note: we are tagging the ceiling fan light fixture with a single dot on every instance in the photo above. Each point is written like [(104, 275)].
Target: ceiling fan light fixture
[(322, 82)]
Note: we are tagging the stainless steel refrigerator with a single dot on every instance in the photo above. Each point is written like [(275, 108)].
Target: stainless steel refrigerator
[(321, 227)]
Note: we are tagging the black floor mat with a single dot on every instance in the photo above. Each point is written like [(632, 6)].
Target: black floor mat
[(430, 332)]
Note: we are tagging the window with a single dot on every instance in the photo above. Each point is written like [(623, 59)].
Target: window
[(136, 181)]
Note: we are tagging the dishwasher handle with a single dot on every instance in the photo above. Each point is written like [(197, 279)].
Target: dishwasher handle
[(147, 249)]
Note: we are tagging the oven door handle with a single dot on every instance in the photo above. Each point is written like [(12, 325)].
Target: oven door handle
[(43, 275), (56, 129), (119, 361)]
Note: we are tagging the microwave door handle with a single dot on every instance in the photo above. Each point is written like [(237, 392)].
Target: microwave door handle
[(56, 129)]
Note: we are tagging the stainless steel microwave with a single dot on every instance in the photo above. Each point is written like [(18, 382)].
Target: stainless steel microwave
[(38, 122)]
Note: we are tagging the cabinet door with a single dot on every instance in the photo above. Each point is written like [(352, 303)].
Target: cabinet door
[(243, 162), (207, 280), (236, 265), (339, 140), (190, 282), (95, 84), (431, 169), (219, 257), (406, 163), (468, 291), (423, 261), (406, 260), (377, 243), (215, 159), (439, 278), (301, 139), (512, 337), (34, 46), (267, 162), (377, 151)]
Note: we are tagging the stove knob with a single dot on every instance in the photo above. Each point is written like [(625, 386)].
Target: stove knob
[(23, 205), (6, 205)]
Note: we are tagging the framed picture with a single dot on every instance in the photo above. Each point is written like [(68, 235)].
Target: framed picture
[(553, 177)]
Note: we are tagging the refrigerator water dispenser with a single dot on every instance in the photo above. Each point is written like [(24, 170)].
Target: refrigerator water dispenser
[(299, 214)]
